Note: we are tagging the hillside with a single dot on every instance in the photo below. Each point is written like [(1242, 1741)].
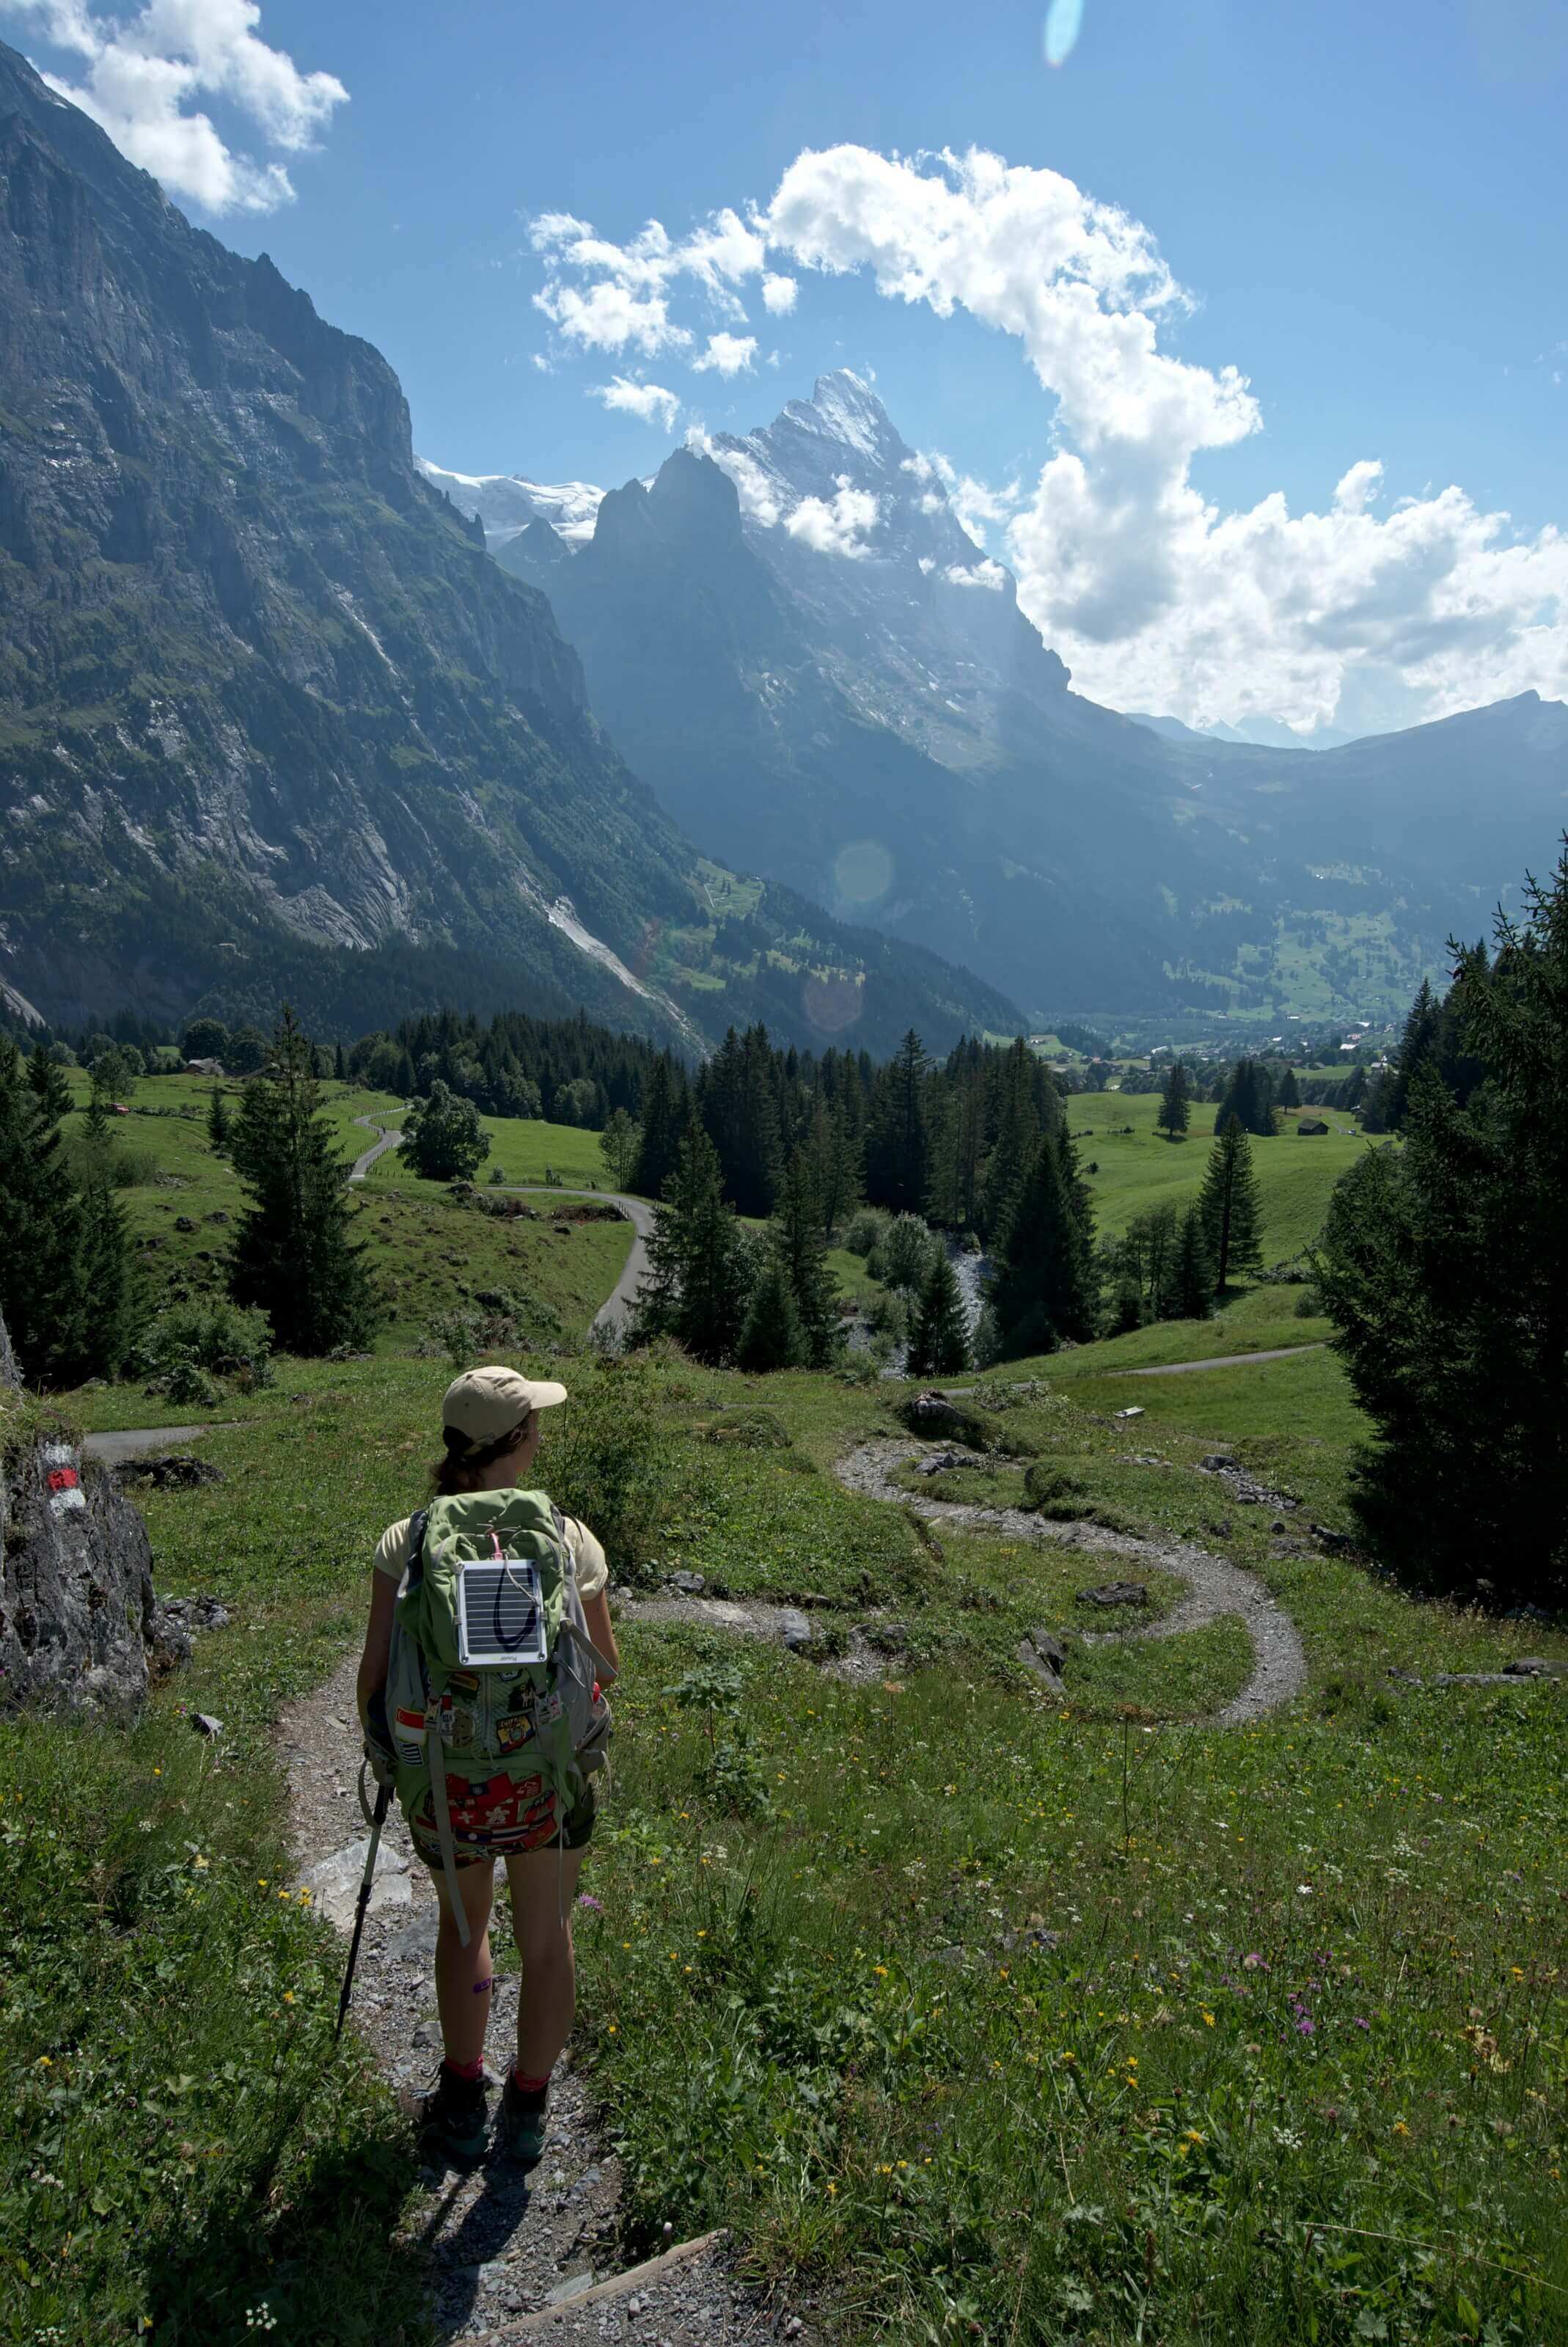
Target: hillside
[(794, 639), (273, 721)]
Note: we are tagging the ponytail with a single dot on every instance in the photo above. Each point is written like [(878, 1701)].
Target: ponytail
[(463, 1464)]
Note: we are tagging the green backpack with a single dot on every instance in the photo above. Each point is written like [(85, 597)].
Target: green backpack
[(492, 1667)]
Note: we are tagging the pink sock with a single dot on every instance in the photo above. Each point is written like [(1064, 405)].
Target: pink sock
[(468, 2070), (529, 2085)]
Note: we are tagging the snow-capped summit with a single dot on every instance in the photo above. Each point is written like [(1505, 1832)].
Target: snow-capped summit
[(507, 503)]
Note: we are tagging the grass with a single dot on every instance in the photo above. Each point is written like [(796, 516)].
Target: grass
[(1143, 1169), (525, 1148), (432, 1253), (973, 2012)]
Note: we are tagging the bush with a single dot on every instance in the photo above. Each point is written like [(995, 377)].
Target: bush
[(611, 1458), (866, 1230), (210, 1335), (1055, 1494), (753, 1429), (903, 1255), (1308, 1303)]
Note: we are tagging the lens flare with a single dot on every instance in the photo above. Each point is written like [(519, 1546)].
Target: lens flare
[(1063, 22), (863, 871), (832, 1004)]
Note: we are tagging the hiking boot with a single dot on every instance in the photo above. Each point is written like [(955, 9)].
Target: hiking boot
[(453, 2116), (524, 2120)]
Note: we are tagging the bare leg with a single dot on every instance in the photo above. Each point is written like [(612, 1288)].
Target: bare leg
[(463, 1974), (543, 1886)]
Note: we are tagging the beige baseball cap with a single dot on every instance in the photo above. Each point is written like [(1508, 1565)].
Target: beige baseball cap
[(485, 1404)]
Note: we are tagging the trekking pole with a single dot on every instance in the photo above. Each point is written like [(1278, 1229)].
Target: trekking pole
[(377, 1820)]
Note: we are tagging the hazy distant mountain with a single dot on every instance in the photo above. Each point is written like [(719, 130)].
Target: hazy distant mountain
[(274, 721), (505, 503), (1259, 733), (795, 641)]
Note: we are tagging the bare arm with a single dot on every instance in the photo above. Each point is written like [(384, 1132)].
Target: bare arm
[(596, 1613), (377, 1639)]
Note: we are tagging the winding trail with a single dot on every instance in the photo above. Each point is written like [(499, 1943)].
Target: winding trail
[(361, 1166), (1214, 1587), (1219, 1361)]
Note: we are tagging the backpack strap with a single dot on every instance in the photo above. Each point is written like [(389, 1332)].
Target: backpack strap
[(414, 1556)]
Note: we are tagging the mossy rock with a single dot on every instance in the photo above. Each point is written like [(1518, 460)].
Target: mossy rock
[(1053, 1493), (947, 1419)]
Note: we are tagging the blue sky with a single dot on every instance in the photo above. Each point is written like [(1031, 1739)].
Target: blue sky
[(1364, 212)]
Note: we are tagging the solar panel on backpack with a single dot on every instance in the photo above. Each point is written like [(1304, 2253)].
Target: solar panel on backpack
[(500, 1612)]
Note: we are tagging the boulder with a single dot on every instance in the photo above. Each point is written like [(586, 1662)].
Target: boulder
[(79, 1624), (1044, 1655), (175, 1471), (1116, 1592)]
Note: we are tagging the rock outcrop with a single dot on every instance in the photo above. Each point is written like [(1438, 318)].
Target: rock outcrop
[(81, 1627)]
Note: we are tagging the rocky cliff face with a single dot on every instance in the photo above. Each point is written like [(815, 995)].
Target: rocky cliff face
[(78, 1620), (273, 722)]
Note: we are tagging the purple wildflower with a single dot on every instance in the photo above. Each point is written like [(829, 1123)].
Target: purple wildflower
[(586, 1898)]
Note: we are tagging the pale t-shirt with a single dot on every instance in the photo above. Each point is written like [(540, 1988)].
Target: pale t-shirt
[(588, 1557)]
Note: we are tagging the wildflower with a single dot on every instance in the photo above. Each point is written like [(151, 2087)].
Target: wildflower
[(1192, 2136), (1208, 2018), (288, 1997), (586, 1898), (1399, 2127), (610, 2030), (1254, 1963), (832, 2190), (880, 1971), (200, 1863), (1518, 1971), (45, 2061)]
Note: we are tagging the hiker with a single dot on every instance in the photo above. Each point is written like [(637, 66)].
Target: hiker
[(492, 1568)]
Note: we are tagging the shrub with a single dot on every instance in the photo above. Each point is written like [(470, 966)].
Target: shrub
[(903, 1255), (612, 1459), (754, 1429), (1308, 1303), (866, 1229), (208, 1334)]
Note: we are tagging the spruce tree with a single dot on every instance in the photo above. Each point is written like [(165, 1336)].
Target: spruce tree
[(898, 1141), (218, 1121), (1423, 1027), (1229, 1206), (1192, 1292), (771, 1335), (1444, 1267), (1043, 1283), (663, 1122), (49, 1088), (1176, 1099), (293, 1255), (44, 1296), (1249, 1098), (1289, 1090), (699, 1272), (797, 1241), (939, 1341)]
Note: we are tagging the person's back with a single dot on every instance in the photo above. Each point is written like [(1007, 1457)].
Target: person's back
[(496, 1634)]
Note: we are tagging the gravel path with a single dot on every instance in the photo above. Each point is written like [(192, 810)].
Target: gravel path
[(1223, 1361), (639, 1213), (511, 2253), (132, 1441), (1279, 1663), (361, 1166)]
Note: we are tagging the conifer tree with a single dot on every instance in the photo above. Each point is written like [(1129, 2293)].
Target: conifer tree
[(1444, 1267), (1423, 1026), (340, 1066), (771, 1335), (696, 1290), (1192, 1292), (1289, 1090), (293, 1255), (1249, 1097), (898, 1143), (939, 1340), (1229, 1206), (619, 1144), (1176, 1099), (833, 1155), (663, 1122), (49, 1088), (798, 1244), (43, 1290), (1044, 1281), (218, 1121)]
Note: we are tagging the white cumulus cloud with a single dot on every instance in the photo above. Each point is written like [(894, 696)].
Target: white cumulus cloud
[(836, 527), (987, 574), (650, 402), (778, 296), (757, 494), (142, 76), (1158, 597), (726, 354)]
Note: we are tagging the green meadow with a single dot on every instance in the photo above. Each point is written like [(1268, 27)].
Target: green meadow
[(974, 2011)]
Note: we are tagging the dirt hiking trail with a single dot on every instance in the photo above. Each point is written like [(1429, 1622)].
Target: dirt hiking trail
[(514, 2254)]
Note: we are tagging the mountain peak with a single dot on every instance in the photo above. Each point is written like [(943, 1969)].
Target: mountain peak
[(842, 407)]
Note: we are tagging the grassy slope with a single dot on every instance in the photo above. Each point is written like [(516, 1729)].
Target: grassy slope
[(818, 2023), (430, 1252), (1143, 1169)]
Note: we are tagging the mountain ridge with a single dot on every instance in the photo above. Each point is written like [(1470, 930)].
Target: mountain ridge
[(271, 716)]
